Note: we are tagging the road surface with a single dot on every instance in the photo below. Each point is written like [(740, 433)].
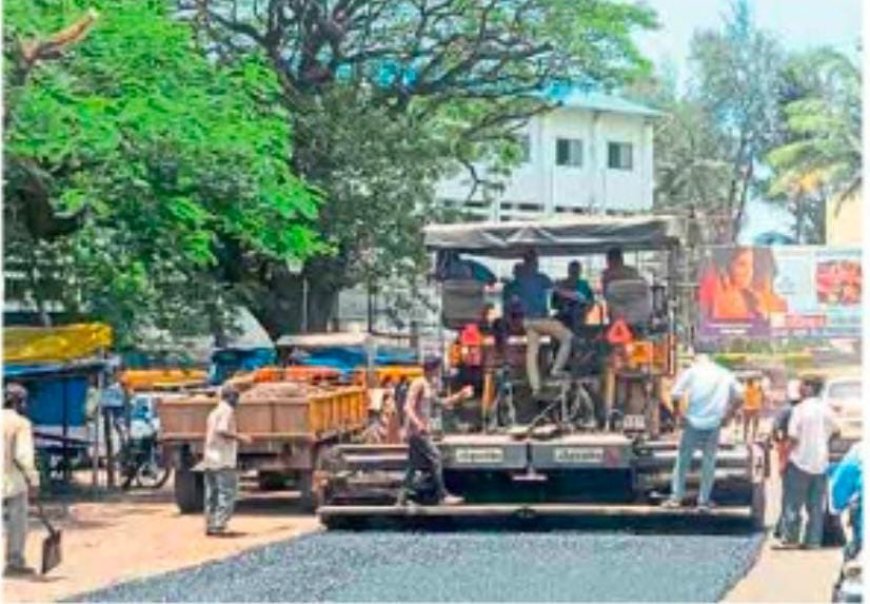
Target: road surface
[(561, 564)]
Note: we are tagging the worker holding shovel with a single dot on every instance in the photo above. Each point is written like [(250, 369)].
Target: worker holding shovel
[(20, 478)]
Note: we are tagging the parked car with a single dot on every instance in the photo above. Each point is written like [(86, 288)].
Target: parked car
[(844, 396)]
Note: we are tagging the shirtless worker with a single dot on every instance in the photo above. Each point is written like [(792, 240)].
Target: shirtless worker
[(423, 453)]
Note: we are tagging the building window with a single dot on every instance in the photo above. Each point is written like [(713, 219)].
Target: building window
[(569, 152), (619, 156), (525, 143)]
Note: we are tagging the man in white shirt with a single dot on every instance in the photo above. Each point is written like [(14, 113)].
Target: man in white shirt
[(713, 392), (219, 462), (20, 478), (810, 429)]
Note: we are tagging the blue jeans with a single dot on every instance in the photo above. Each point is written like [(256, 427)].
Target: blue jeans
[(692, 439), (804, 491)]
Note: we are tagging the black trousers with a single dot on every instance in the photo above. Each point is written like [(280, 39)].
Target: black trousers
[(424, 456)]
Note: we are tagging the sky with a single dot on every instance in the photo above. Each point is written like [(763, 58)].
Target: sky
[(799, 24)]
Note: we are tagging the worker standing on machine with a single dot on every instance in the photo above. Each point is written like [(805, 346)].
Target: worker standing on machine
[(423, 454), (712, 391)]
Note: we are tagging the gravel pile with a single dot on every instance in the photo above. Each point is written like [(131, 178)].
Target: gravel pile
[(514, 566)]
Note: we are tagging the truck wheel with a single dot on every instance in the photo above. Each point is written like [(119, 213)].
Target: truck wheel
[(189, 491), (758, 506)]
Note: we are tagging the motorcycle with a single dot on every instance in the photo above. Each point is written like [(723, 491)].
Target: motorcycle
[(140, 459)]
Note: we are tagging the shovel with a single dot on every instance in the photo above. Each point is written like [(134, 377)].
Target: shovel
[(51, 551)]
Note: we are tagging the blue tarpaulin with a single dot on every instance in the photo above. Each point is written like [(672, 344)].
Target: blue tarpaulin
[(227, 361), (349, 358), (57, 393)]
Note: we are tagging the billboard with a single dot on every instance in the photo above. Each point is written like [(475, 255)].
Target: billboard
[(771, 292)]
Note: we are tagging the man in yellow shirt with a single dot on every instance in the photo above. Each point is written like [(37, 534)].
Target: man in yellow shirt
[(20, 478)]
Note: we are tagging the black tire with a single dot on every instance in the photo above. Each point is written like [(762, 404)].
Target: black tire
[(758, 506), (189, 491)]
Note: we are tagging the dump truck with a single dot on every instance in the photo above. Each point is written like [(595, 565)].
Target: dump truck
[(291, 423), (600, 440), (294, 412)]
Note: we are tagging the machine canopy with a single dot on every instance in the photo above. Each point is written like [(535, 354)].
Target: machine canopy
[(577, 235)]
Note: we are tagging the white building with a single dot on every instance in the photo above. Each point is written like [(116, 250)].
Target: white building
[(592, 154)]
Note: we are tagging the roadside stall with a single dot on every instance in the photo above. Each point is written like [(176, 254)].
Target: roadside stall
[(58, 366)]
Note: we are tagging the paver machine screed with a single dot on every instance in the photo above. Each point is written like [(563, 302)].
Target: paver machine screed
[(599, 439)]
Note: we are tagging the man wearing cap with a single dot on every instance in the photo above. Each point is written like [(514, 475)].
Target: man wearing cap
[(423, 453), (20, 478), (713, 392), (219, 462)]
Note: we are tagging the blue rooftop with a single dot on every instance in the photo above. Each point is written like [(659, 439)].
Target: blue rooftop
[(597, 101)]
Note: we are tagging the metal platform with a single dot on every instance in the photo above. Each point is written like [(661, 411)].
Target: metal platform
[(526, 511)]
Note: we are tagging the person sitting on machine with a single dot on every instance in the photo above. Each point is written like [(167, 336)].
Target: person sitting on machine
[(617, 270), (511, 320), (533, 288), (570, 311), (628, 295)]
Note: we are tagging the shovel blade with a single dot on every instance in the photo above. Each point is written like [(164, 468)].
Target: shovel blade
[(51, 552)]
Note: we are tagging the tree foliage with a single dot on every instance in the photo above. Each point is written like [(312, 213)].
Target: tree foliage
[(821, 156), (135, 167), (387, 96), (737, 81)]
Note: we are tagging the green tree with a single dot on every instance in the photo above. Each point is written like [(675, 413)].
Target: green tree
[(139, 173), (692, 167), (737, 81), (821, 157), (387, 96)]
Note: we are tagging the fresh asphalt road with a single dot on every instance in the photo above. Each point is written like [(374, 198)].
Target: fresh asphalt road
[(684, 563)]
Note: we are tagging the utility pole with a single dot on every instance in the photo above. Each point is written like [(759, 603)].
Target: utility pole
[(370, 304)]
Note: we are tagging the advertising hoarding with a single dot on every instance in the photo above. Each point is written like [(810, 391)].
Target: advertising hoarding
[(779, 292)]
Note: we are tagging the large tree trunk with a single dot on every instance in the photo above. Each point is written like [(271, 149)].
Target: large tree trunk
[(280, 308)]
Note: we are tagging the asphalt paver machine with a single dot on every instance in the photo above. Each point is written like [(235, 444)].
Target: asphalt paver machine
[(600, 439)]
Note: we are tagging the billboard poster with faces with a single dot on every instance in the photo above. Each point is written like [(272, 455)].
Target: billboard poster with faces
[(765, 292)]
